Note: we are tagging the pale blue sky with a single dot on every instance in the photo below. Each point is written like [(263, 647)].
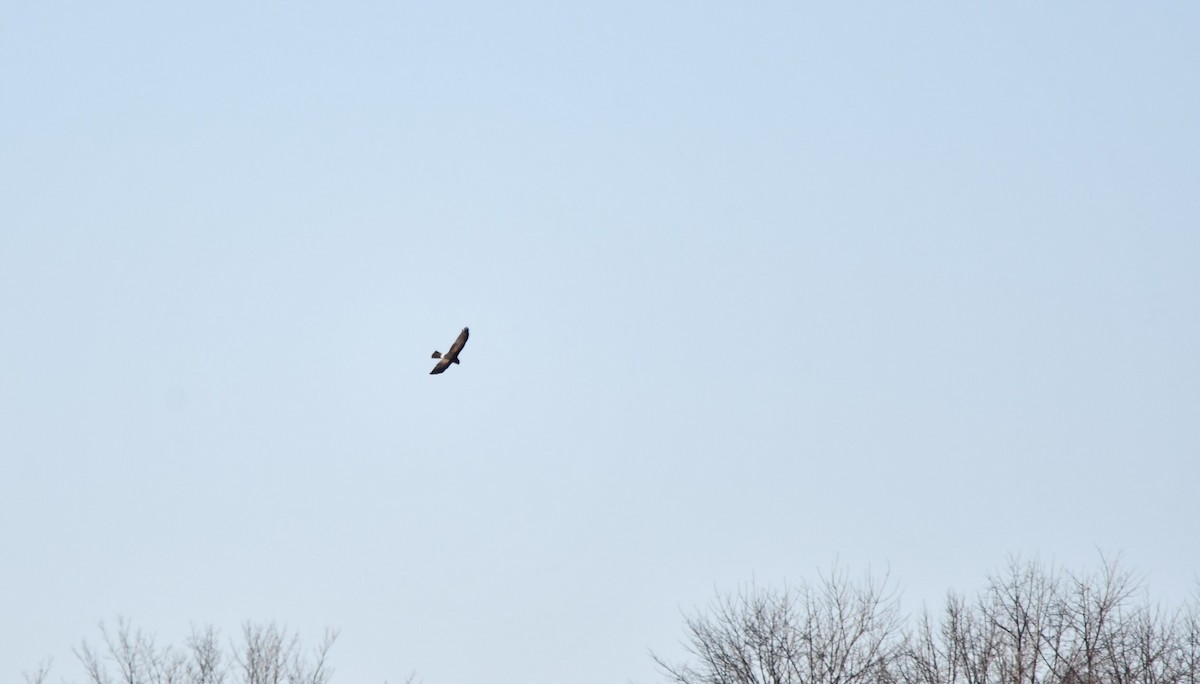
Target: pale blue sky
[(750, 289)]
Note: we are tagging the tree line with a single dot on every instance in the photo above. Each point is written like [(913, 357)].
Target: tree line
[(265, 654), (1030, 624)]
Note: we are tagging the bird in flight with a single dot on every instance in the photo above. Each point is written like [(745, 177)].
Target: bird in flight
[(452, 355)]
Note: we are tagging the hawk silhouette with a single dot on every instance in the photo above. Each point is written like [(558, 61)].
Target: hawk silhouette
[(452, 355)]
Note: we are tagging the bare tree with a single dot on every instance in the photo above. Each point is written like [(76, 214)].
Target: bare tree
[(1031, 624), (267, 654), (1034, 625), (206, 665), (960, 649), (837, 632), (1092, 625), (40, 674), (270, 655), (1189, 641), (1020, 605)]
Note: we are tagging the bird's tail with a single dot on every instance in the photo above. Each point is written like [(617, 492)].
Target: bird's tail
[(437, 355)]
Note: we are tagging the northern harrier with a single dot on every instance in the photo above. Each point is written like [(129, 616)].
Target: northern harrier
[(452, 355)]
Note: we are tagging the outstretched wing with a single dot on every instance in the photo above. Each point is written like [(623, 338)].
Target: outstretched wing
[(459, 343), (441, 366)]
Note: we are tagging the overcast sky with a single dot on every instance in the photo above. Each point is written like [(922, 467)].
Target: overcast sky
[(751, 289)]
